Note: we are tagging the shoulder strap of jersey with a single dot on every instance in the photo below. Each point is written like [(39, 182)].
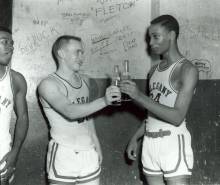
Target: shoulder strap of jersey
[(172, 70), (12, 82), (151, 72), (60, 81)]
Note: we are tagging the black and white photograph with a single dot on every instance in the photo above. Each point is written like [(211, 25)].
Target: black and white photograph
[(109, 92)]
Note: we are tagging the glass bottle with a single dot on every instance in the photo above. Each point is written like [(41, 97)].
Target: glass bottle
[(125, 76), (115, 81)]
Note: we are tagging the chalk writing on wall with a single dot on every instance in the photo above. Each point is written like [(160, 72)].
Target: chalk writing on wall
[(199, 30), (32, 42), (113, 8), (204, 67), (109, 29)]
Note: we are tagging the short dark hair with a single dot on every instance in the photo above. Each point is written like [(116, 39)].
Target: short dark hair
[(60, 41), (5, 29), (169, 22)]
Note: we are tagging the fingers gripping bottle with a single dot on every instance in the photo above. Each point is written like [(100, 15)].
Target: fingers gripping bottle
[(126, 76), (115, 81)]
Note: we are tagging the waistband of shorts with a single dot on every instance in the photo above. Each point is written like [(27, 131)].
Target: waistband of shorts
[(161, 133), (155, 125), (74, 147)]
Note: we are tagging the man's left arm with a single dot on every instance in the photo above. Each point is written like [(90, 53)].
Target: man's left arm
[(21, 125)]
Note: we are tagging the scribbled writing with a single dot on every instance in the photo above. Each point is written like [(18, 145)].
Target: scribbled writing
[(104, 1), (103, 43), (204, 67), (202, 28), (37, 21), (75, 17), (112, 8), (60, 2), (36, 39), (130, 44), (100, 46)]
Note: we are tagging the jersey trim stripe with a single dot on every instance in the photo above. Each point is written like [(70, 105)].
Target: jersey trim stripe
[(51, 156), (61, 182), (12, 85), (171, 86), (179, 158), (72, 183), (86, 83), (162, 70), (69, 82), (60, 80), (150, 170), (6, 72), (184, 153)]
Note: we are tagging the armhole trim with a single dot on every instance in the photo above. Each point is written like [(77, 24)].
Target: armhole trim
[(11, 83), (57, 78), (173, 68)]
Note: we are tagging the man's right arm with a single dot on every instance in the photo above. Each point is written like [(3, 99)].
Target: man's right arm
[(140, 132), (133, 144), (50, 92)]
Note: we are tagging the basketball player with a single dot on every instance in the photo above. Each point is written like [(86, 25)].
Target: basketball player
[(13, 90), (166, 152), (74, 154)]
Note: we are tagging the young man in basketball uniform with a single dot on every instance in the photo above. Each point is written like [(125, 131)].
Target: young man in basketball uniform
[(74, 153), (166, 151), (13, 89)]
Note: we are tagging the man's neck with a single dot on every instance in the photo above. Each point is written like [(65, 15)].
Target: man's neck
[(68, 74), (171, 56), (2, 70)]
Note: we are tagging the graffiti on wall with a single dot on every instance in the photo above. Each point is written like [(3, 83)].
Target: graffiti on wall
[(204, 67)]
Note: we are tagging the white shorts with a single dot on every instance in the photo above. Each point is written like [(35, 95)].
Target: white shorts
[(170, 155), (66, 165)]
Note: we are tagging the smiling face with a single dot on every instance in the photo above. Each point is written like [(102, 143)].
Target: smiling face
[(72, 54), (159, 39), (6, 48)]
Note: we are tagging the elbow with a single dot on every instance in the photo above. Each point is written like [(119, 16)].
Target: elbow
[(178, 121), (71, 115)]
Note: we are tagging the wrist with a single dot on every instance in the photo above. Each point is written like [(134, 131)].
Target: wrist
[(15, 149), (139, 97), (104, 101), (135, 139)]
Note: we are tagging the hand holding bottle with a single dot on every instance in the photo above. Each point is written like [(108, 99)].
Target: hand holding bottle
[(115, 82), (125, 76)]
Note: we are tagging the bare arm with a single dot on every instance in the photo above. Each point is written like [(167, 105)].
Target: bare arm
[(133, 143), (21, 112), (50, 91), (140, 132), (173, 115)]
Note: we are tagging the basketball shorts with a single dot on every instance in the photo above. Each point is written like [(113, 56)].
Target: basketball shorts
[(67, 165), (169, 155)]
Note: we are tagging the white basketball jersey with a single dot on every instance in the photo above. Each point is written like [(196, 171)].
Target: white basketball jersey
[(161, 91), (75, 133), (6, 107)]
